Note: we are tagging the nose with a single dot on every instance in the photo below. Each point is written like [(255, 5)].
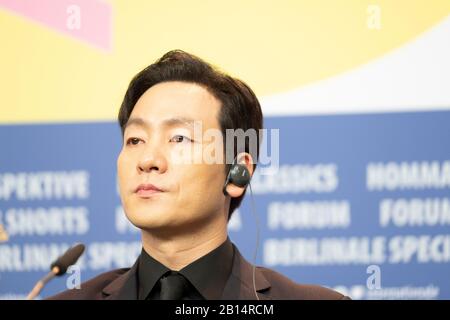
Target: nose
[(152, 160)]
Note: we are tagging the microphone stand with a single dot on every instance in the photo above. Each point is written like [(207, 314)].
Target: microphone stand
[(42, 282)]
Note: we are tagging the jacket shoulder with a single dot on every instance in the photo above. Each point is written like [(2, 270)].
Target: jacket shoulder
[(284, 288), (91, 289)]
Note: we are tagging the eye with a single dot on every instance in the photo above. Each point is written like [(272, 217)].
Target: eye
[(180, 138), (133, 141)]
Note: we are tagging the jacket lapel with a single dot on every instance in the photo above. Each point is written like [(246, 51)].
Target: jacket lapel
[(123, 287), (240, 284)]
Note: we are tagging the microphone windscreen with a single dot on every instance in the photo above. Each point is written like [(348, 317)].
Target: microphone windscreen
[(69, 258)]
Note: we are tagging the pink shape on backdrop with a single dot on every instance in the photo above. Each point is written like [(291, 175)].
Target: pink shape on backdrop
[(95, 17)]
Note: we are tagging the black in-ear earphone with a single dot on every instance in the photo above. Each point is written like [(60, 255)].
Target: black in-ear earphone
[(240, 176), (237, 175)]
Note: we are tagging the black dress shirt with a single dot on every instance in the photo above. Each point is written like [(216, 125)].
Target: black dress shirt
[(206, 277)]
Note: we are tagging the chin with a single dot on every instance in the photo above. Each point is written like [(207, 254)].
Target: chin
[(150, 217), (145, 223)]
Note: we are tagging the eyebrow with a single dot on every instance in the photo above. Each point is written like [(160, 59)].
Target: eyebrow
[(172, 122)]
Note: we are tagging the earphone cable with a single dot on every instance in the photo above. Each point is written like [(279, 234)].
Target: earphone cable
[(255, 253)]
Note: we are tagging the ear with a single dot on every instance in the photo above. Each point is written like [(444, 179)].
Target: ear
[(247, 160)]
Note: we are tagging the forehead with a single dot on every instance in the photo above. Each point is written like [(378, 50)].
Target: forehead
[(177, 100)]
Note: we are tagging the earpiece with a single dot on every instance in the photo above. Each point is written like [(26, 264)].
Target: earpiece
[(238, 175)]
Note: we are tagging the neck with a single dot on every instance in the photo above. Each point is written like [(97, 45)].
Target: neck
[(178, 251)]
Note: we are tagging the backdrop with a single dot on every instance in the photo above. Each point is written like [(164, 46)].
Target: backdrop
[(359, 91)]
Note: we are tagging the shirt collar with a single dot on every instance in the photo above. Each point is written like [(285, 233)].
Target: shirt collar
[(208, 274), (149, 272)]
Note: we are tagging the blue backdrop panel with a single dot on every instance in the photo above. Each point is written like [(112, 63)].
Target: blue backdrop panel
[(360, 203)]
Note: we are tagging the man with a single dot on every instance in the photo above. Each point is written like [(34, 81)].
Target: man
[(181, 202)]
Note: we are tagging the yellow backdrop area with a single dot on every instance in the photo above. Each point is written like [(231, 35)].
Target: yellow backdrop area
[(272, 45)]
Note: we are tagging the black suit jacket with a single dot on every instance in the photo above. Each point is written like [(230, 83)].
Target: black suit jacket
[(122, 284)]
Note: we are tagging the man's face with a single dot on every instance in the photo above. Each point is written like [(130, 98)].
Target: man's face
[(159, 129)]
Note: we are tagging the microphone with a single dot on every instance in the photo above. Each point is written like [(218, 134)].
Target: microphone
[(58, 268)]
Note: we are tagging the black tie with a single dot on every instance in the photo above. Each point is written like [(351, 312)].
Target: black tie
[(173, 286)]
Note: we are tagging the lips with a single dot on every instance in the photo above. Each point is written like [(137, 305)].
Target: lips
[(147, 190)]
